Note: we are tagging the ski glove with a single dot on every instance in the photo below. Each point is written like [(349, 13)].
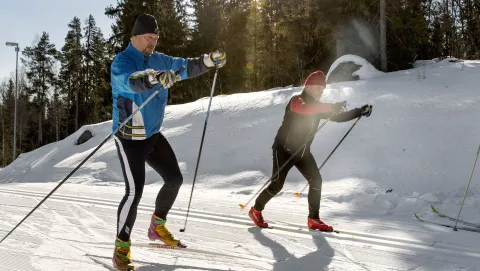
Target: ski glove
[(217, 58), (339, 107), (366, 110), (166, 78)]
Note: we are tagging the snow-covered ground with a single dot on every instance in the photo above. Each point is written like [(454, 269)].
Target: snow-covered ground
[(420, 143)]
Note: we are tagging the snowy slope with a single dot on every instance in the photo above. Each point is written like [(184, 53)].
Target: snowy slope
[(420, 142), (366, 71)]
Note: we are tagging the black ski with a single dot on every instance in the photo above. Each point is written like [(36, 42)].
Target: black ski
[(454, 219), (448, 226)]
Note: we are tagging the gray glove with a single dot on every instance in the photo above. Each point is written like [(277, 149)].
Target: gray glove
[(367, 110), (217, 58)]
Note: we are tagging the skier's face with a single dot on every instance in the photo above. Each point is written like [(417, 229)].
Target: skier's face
[(145, 43), (315, 91)]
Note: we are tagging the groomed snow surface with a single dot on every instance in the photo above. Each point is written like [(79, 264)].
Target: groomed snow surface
[(420, 143)]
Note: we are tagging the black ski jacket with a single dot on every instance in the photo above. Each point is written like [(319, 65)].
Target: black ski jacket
[(301, 120)]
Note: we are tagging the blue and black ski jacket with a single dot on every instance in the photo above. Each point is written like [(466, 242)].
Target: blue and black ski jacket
[(131, 86)]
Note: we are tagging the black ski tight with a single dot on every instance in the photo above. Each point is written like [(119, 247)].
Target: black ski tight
[(307, 166), (157, 152)]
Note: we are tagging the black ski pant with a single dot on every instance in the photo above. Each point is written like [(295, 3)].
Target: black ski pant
[(307, 166), (157, 152)]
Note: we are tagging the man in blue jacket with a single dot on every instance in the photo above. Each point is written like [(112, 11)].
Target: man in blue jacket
[(136, 73)]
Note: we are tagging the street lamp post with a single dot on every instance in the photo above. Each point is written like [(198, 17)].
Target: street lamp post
[(16, 91)]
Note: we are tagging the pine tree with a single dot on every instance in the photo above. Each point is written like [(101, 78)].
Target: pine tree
[(22, 114), (471, 14), (437, 38), (7, 90), (71, 81), (170, 19), (96, 57), (267, 67), (9, 100), (252, 51), (75, 58), (235, 42), (88, 66), (2, 124), (39, 61)]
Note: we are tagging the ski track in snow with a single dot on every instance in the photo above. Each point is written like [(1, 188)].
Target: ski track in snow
[(77, 224)]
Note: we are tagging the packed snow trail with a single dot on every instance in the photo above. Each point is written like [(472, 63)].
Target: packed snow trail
[(83, 225)]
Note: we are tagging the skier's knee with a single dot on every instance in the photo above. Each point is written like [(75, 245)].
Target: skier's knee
[(174, 181), (136, 200), (316, 183), (274, 189), (178, 181), (137, 196)]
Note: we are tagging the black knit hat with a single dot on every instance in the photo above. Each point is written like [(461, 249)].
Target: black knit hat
[(145, 24)]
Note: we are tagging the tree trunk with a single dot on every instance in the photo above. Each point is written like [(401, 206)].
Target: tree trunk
[(454, 50), (20, 122), (20, 132), (67, 106), (383, 36), (40, 138), (76, 109), (55, 105), (462, 25), (87, 84), (3, 140), (255, 46), (41, 99)]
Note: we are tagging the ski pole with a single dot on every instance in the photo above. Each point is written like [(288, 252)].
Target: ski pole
[(284, 165), (468, 184), (355, 123), (88, 157), (200, 150)]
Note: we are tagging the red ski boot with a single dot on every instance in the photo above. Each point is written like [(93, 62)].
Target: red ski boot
[(257, 218), (317, 224)]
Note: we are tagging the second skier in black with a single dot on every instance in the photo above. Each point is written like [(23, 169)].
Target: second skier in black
[(302, 117)]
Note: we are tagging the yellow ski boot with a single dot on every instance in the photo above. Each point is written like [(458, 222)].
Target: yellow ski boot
[(121, 255), (158, 231)]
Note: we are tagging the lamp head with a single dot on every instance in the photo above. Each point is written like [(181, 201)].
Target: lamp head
[(11, 44)]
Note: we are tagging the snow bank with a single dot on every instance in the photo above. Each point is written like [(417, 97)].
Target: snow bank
[(367, 71)]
